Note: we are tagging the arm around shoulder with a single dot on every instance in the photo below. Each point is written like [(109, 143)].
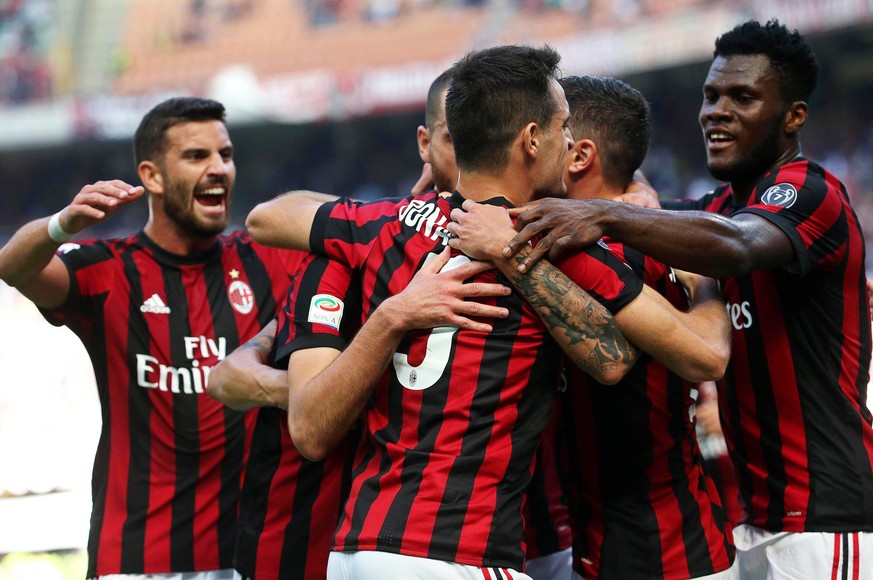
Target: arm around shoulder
[(694, 344), (286, 221)]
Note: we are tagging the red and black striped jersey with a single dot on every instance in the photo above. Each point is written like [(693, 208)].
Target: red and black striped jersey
[(546, 515), (290, 506), (640, 503), (451, 429), (792, 402), (169, 461)]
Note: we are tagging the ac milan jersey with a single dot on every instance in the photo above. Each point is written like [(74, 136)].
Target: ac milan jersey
[(169, 460), (289, 506), (641, 504), (546, 516), (792, 401), (451, 430)]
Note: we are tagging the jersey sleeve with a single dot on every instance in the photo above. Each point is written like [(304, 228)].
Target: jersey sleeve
[(809, 206), (603, 275), (322, 309), (344, 230), (88, 264)]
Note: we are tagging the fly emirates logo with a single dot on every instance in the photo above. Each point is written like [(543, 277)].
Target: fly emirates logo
[(189, 380), (740, 314)]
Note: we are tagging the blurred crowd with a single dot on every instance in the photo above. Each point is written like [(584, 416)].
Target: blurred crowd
[(25, 32)]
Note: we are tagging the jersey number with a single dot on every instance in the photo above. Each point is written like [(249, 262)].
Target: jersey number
[(437, 353)]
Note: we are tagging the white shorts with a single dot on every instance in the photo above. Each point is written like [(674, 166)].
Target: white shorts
[(557, 566), (732, 573), (374, 565), (226, 574), (794, 555)]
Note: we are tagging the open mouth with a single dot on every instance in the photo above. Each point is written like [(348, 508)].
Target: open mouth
[(719, 139), (212, 197)]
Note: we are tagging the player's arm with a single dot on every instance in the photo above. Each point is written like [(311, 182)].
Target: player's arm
[(286, 221), (695, 344), (582, 326), (28, 261), (329, 389), (697, 241), (244, 380)]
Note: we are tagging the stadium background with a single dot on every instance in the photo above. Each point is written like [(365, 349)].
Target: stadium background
[(323, 95)]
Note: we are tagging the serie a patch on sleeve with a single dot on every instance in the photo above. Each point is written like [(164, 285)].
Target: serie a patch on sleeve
[(327, 310)]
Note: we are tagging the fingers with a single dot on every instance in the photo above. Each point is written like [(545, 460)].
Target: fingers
[(472, 325), (469, 269), (479, 310), (536, 254), (435, 264), (107, 194), (480, 289)]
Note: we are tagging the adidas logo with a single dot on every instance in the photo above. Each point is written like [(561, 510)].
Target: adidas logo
[(155, 305)]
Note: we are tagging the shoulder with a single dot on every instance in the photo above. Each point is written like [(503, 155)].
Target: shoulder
[(95, 249)]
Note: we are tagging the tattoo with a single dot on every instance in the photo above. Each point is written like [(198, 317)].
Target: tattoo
[(569, 311), (261, 342)]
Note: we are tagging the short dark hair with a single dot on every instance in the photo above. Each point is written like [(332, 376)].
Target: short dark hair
[(148, 141), (435, 96), (494, 93), (616, 117), (789, 54)]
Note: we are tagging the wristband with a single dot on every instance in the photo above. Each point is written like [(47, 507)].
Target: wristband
[(56, 232)]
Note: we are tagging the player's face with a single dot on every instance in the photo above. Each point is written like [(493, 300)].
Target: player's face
[(742, 117), (198, 173), (556, 142), (441, 151)]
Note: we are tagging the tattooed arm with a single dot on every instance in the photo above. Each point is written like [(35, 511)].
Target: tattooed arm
[(581, 325), (693, 344), (244, 380)]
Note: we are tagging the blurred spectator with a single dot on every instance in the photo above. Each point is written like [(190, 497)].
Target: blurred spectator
[(25, 34)]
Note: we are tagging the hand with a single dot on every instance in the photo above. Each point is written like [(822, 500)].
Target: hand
[(97, 202), (641, 194), (440, 298), (562, 223), (481, 231), (425, 181)]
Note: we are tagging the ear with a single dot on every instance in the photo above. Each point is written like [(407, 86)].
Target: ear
[(795, 117), (151, 177), (423, 137), (582, 156), (531, 138)]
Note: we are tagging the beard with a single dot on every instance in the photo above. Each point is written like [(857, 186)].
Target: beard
[(442, 180), (756, 163), (177, 209)]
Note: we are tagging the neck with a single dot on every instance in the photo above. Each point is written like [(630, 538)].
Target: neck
[(480, 186), (173, 238), (741, 189), (592, 186)]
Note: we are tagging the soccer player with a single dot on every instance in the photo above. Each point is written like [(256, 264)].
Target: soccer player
[(434, 141), (156, 311), (784, 238), (451, 428), (646, 509), (641, 505), (289, 506)]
